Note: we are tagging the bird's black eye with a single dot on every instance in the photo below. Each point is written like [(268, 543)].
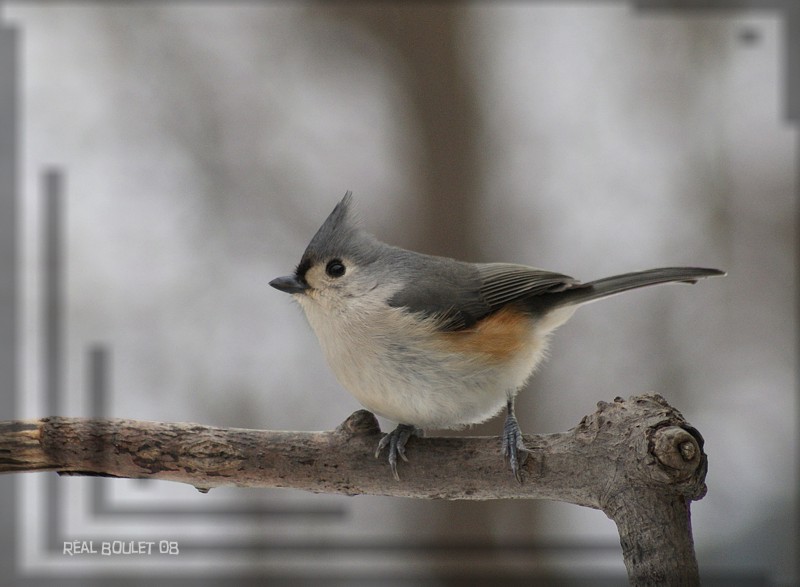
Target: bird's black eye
[(335, 268)]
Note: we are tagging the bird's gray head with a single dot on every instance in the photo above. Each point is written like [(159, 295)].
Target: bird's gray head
[(340, 262)]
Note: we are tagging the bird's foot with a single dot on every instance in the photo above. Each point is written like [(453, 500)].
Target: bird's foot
[(396, 441), (514, 450)]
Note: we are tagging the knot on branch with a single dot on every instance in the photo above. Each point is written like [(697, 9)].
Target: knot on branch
[(214, 454), (680, 452), (660, 447), (360, 423)]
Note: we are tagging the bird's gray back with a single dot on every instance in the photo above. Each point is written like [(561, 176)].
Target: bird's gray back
[(460, 293)]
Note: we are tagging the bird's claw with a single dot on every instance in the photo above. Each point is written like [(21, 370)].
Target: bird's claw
[(396, 441), (514, 449)]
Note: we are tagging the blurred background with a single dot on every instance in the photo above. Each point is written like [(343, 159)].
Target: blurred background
[(173, 158)]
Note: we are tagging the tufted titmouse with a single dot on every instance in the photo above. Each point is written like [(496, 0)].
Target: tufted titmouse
[(431, 342)]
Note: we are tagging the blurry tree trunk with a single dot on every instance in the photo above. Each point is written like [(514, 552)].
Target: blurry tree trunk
[(429, 41)]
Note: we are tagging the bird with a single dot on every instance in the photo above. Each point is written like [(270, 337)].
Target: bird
[(431, 342)]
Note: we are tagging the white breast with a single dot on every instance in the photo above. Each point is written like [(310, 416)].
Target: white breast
[(391, 362)]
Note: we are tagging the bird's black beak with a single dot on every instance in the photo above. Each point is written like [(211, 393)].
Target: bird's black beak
[(289, 284)]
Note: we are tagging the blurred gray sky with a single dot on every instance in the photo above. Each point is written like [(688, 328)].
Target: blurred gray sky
[(202, 145)]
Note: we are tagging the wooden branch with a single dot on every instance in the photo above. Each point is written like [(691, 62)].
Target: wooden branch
[(637, 460)]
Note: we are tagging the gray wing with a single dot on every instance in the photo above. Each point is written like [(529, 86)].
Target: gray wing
[(460, 294), (503, 283)]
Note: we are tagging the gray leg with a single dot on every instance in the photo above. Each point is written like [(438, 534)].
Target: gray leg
[(514, 450), (396, 441)]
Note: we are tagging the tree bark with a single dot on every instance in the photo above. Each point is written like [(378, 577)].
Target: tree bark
[(637, 460)]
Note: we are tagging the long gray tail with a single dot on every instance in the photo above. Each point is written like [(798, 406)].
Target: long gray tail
[(587, 292)]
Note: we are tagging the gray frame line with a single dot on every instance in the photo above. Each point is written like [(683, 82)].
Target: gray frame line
[(789, 10), (9, 269), (52, 283)]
